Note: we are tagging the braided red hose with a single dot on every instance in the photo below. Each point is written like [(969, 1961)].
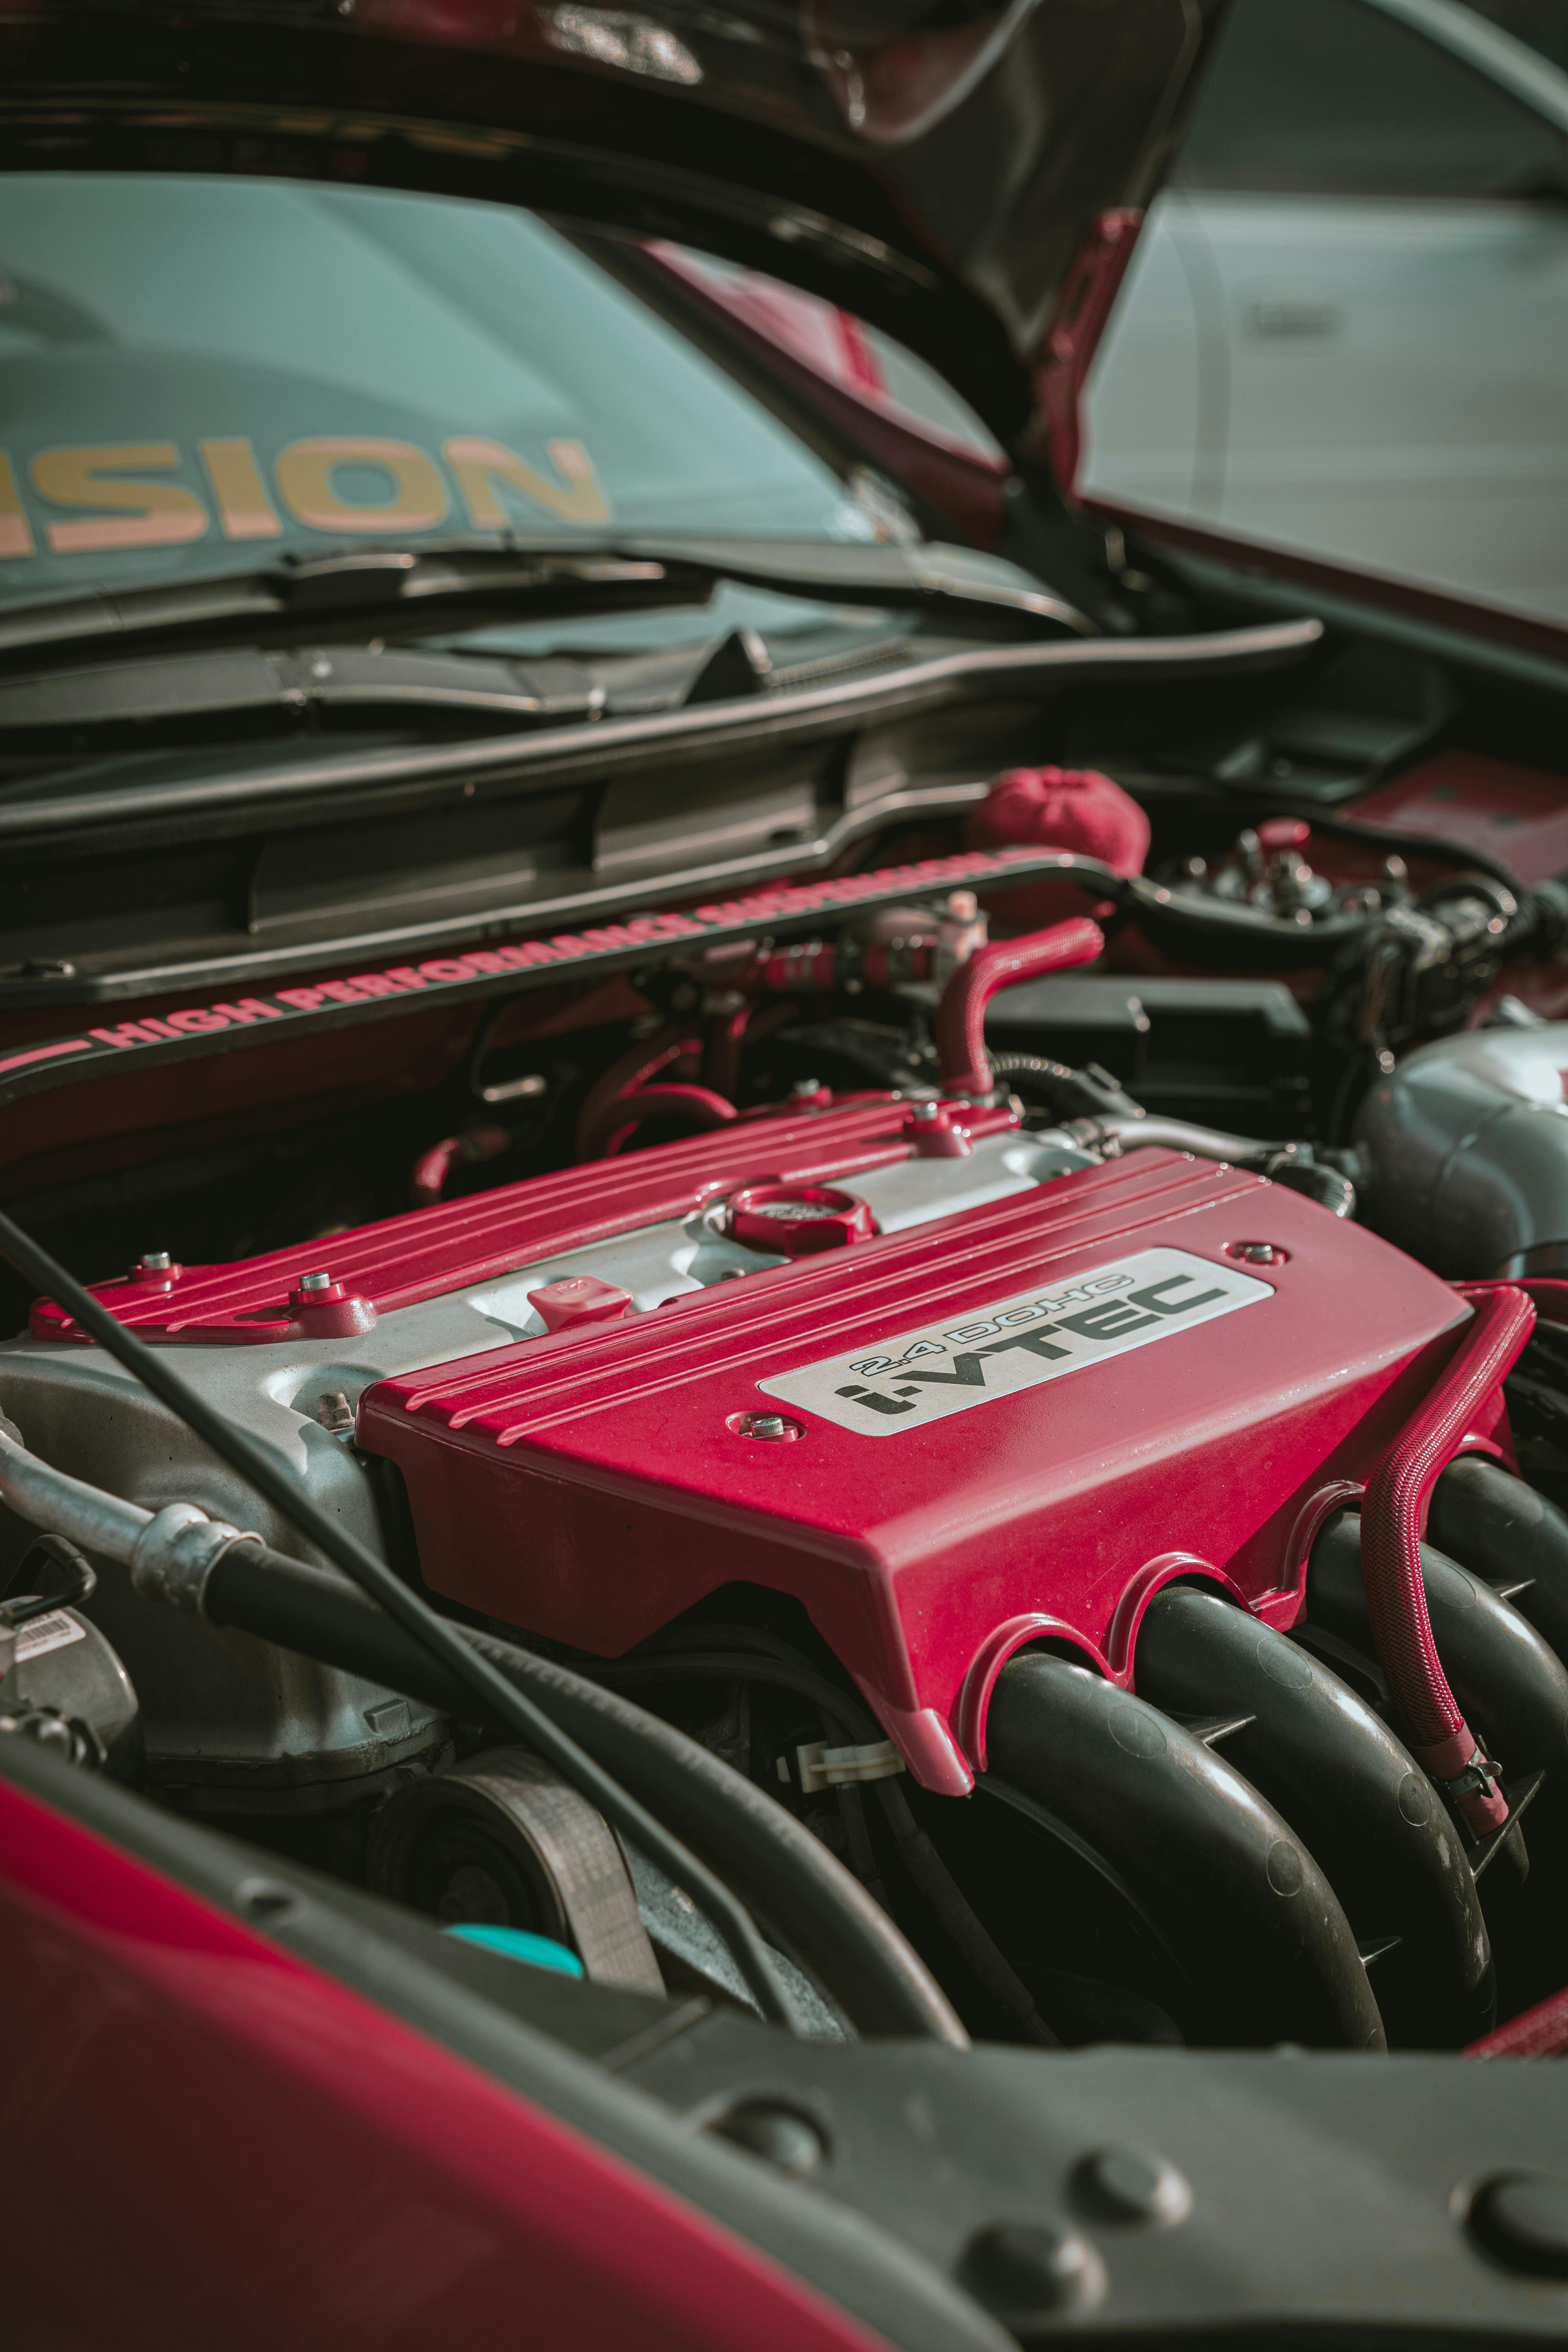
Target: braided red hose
[(1392, 1516), (960, 1016)]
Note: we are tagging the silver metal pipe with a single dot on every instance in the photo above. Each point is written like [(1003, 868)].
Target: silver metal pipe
[(170, 1553), (1111, 1136)]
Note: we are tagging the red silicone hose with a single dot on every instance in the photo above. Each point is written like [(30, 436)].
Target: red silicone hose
[(1393, 1516), (960, 1016)]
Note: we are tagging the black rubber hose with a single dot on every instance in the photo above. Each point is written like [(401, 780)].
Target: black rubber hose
[(1241, 1901), (488, 1689), (775, 1864), (1067, 1093), (1354, 1796), (1512, 1687), (1493, 1523), (987, 1963)]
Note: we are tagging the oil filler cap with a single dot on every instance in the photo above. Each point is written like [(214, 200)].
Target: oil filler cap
[(796, 1220)]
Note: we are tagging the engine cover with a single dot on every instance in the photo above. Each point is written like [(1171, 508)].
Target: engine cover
[(1014, 1423)]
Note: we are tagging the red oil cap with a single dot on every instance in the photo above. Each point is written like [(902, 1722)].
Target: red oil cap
[(796, 1220), (577, 1299)]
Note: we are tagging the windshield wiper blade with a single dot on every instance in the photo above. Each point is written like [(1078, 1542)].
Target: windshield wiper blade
[(446, 587), (385, 588)]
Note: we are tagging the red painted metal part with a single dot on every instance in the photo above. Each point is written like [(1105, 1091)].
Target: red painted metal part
[(588, 1488), (1003, 963), (303, 2169), (1392, 1516), (1520, 814), (1088, 294), (432, 1251)]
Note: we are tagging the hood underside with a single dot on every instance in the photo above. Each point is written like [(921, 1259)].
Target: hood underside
[(934, 170)]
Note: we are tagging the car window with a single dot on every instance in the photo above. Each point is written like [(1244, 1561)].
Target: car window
[(841, 348), (197, 371), (1541, 24), (1333, 98)]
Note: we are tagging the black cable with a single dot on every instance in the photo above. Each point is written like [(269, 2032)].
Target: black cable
[(987, 1962), (775, 1864), (496, 1696)]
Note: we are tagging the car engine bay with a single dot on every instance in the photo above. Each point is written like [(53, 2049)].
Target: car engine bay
[(1034, 1410)]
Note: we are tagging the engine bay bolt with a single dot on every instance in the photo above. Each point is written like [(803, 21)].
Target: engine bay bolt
[(1521, 2220), (154, 1262), (1027, 2272), (925, 1110), (770, 1428), (311, 1283), (805, 1090), (780, 2135), (1255, 1253), (1132, 2184), (334, 1413)]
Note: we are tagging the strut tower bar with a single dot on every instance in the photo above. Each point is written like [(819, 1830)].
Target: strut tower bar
[(783, 910)]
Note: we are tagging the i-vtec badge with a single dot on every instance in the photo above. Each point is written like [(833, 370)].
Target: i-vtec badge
[(918, 1377)]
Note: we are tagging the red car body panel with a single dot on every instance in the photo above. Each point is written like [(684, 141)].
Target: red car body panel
[(268, 2159)]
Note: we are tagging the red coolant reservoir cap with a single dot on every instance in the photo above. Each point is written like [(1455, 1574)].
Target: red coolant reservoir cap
[(795, 1219)]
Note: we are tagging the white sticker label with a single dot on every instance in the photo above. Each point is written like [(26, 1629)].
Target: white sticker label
[(917, 1377), (51, 1633)]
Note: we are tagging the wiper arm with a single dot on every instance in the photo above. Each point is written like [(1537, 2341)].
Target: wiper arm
[(402, 592), (391, 589)]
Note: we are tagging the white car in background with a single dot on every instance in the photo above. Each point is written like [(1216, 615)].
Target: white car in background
[(1345, 327)]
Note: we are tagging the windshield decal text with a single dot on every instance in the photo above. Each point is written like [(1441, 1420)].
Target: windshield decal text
[(120, 494)]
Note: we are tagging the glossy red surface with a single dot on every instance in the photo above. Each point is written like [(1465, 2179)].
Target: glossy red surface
[(589, 1487), (430, 1251), (262, 2159), (1520, 814)]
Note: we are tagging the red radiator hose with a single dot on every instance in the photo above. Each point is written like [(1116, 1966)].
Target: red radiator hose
[(427, 1178), (633, 1070), (960, 1016), (1393, 1516), (620, 1120)]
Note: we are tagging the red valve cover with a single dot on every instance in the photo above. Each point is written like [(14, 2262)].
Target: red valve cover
[(1014, 1423)]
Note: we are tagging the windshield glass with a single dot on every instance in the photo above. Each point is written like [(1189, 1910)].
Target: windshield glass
[(197, 374)]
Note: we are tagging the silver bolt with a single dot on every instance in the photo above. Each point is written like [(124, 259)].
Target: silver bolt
[(770, 1425), (806, 1086), (335, 1413), (315, 1281), (927, 1110), (154, 1262)]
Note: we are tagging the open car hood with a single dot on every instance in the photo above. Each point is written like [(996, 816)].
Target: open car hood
[(934, 167)]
